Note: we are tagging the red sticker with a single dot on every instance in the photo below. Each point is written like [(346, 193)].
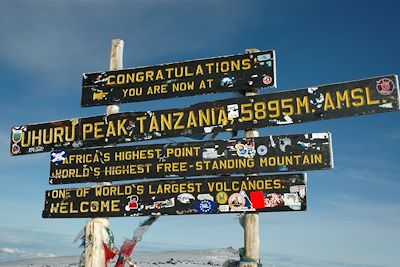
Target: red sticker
[(257, 199), (385, 86), (267, 79)]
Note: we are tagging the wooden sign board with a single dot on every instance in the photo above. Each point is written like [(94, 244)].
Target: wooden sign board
[(253, 155), (216, 195), (375, 95), (197, 77)]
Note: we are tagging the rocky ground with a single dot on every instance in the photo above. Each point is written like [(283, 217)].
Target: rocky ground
[(197, 258)]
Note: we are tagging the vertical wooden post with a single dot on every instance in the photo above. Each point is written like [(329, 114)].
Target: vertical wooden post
[(251, 221), (95, 229)]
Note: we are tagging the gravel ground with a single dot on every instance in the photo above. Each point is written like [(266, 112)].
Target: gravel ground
[(195, 258)]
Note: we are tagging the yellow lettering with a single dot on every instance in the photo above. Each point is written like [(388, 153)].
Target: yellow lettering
[(121, 127), (302, 103), (179, 117), (199, 70), (369, 101), (111, 80), (192, 122), (159, 75), (58, 135), (154, 124), (111, 129), (87, 128), (329, 104), (343, 97), (356, 94), (246, 64), (98, 130), (141, 123)]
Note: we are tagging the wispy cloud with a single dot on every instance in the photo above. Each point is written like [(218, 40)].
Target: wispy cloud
[(25, 243), (394, 136), (367, 175), (7, 253), (358, 210)]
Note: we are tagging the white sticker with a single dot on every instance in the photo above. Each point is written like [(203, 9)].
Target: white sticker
[(185, 198), (233, 111), (291, 199), (262, 150), (210, 153), (319, 135), (205, 197), (223, 208)]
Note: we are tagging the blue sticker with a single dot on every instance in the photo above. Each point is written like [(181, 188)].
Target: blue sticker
[(282, 169), (58, 157), (205, 206)]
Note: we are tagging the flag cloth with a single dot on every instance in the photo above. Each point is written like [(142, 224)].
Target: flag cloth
[(129, 245)]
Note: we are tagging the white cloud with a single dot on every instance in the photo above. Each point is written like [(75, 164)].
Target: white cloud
[(19, 253), (10, 251)]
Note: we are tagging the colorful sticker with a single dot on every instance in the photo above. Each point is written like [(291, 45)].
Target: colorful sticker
[(167, 203), (257, 200), (15, 149), (273, 200), (236, 202), (267, 80), (17, 133), (245, 150), (162, 204), (133, 203), (263, 57), (221, 197), (205, 206), (385, 86), (58, 156)]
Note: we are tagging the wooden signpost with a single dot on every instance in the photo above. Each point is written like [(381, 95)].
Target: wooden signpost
[(252, 155), (95, 230), (363, 97), (78, 155), (197, 77), (214, 195)]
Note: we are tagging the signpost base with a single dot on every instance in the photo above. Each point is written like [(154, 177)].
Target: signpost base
[(95, 236), (248, 264), (251, 225)]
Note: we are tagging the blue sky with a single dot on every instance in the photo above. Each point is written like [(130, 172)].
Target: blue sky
[(353, 216)]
